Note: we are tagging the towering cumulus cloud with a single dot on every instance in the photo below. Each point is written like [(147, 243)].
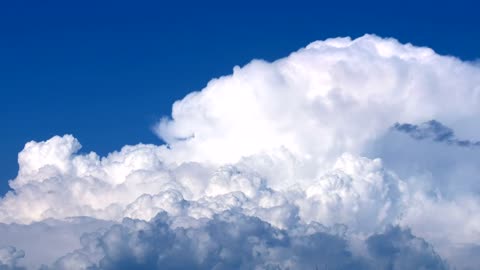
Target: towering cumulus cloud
[(343, 155)]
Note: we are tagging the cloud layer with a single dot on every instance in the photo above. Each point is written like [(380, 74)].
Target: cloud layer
[(234, 241), (290, 164)]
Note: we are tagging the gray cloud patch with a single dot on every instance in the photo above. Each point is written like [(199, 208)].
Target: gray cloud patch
[(235, 241), (435, 131), (400, 249), (9, 258)]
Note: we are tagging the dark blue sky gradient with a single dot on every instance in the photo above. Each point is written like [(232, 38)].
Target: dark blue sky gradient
[(106, 71)]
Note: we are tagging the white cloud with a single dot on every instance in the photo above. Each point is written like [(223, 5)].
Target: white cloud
[(304, 140), (331, 97)]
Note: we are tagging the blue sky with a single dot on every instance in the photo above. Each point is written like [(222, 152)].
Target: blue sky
[(330, 152), (106, 71)]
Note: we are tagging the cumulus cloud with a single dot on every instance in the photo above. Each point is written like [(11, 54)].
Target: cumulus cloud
[(45, 241), (9, 257), (331, 97), (289, 164), (399, 249), (234, 241)]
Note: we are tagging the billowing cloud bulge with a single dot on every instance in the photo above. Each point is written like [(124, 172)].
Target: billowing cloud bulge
[(347, 154)]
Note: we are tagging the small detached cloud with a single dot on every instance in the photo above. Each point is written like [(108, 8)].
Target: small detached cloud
[(435, 131)]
